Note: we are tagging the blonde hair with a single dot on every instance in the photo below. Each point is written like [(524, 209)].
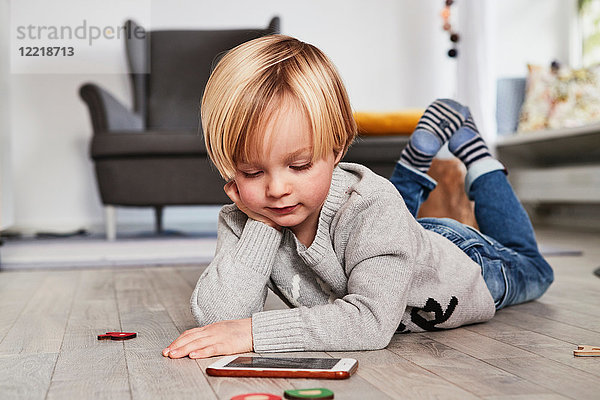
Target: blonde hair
[(243, 91)]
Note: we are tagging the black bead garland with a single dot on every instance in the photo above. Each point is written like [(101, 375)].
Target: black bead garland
[(447, 26)]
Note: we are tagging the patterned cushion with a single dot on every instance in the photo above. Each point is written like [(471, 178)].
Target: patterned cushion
[(560, 99)]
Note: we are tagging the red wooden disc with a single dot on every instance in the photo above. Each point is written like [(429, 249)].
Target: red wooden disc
[(256, 396), (117, 335)]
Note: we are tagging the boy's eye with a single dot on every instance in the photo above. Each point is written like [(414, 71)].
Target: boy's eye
[(251, 174), (301, 167)]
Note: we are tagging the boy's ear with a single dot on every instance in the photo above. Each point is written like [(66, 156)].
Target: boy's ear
[(338, 156)]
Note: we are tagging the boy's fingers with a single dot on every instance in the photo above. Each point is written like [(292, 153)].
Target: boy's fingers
[(190, 347), (184, 339), (208, 351)]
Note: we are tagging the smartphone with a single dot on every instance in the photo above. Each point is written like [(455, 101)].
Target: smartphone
[(271, 367)]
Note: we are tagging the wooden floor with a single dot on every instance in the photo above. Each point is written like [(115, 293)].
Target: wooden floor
[(49, 321)]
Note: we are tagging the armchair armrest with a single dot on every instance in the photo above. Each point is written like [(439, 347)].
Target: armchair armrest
[(107, 113)]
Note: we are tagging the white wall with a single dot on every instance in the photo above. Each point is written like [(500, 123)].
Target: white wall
[(390, 53), (6, 199), (535, 32)]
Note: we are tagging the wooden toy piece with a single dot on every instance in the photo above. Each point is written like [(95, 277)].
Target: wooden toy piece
[(117, 336), (317, 393), (256, 396), (587, 351)]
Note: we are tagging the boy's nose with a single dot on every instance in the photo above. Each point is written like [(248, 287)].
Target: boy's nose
[(278, 187)]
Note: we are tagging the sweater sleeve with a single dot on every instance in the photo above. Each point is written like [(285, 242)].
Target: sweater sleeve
[(234, 285), (379, 265)]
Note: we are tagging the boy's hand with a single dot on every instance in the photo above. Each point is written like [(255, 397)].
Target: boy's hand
[(220, 338), (232, 191)]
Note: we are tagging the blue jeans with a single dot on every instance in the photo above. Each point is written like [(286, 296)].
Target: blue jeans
[(506, 249)]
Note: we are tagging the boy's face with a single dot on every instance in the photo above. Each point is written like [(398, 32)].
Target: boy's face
[(282, 183)]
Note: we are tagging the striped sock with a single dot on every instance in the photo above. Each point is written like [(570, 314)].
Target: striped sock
[(468, 145), (440, 120)]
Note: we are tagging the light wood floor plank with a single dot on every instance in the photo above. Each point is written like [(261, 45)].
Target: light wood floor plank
[(557, 377), (563, 302), (174, 293), (548, 327), (141, 311), (41, 325), (476, 345), (422, 350), (541, 345), (156, 377), (552, 396), (105, 373), (26, 376), (410, 385), (94, 310), (405, 379), (466, 371), (9, 284), (16, 289), (583, 289), (150, 374), (569, 317), (7, 279), (81, 389)]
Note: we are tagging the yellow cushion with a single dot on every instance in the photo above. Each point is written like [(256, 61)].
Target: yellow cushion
[(401, 122)]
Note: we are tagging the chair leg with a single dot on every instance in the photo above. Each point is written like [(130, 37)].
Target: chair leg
[(110, 220), (158, 222)]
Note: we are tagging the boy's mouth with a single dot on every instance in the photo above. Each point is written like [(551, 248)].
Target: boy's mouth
[(283, 210)]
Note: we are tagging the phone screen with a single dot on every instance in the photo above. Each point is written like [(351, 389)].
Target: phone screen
[(284, 363)]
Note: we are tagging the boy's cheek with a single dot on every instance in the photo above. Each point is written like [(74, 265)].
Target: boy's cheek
[(248, 196), (245, 188)]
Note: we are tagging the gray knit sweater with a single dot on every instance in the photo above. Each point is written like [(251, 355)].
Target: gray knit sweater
[(371, 271)]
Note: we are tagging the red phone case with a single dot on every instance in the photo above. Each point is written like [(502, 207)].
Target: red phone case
[(257, 373)]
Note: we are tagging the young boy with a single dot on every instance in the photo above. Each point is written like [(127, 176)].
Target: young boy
[(336, 242)]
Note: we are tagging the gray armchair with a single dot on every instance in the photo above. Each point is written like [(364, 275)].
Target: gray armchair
[(153, 155)]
